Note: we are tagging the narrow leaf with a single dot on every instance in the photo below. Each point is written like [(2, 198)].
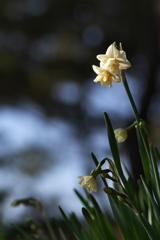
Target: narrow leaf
[(114, 148), (92, 224)]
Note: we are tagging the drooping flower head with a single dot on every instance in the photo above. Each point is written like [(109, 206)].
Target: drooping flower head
[(88, 182)]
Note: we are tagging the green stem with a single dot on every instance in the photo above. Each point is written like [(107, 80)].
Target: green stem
[(134, 108), (131, 126)]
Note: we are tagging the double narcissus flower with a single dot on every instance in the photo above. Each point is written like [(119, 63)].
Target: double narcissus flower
[(88, 182), (111, 65)]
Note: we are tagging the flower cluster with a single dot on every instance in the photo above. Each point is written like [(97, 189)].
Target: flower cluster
[(111, 65)]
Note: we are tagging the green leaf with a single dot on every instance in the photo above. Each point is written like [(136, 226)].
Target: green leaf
[(95, 211), (26, 235), (153, 210), (149, 198), (102, 221), (144, 153), (68, 222), (125, 231), (62, 234), (155, 175), (83, 200), (76, 227), (128, 222), (114, 149), (94, 159), (92, 223), (157, 152)]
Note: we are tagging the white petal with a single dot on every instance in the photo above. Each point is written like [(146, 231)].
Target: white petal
[(121, 60), (122, 54), (112, 51), (106, 83), (81, 179), (96, 69), (111, 66), (98, 79), (103, 64), (102, 57), (124, 60), (125, 65), (106, 65)]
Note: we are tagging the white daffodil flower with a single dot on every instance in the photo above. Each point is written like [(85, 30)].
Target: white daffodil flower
[(114, 60), (105, 77), (88, 182), (120, 134)]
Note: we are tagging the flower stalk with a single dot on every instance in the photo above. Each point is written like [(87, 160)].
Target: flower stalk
[(133, 105)]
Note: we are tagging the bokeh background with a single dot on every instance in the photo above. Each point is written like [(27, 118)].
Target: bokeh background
[(51, 111)]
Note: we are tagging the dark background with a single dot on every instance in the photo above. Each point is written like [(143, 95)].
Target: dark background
[(51, 111)]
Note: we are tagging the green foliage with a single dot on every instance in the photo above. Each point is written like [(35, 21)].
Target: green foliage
[(98, 225), (23, 234)]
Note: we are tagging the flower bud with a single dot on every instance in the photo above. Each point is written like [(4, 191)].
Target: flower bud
[(120, 134)]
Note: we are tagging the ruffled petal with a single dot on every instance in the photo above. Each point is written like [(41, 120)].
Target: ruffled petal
[(99, 78), (88, 182)]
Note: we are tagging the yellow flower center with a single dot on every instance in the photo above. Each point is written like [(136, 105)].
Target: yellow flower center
[(107, 77), (114, 64)]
